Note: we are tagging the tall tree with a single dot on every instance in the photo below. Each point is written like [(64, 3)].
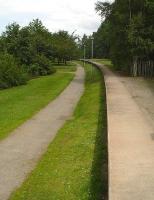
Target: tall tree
[(65, 46), (130, 30)]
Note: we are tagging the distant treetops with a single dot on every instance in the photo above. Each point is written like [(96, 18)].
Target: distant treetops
[(31, 50)]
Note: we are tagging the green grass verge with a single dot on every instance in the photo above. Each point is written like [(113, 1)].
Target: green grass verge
[(19, 103), (70, 67), (75, 164), (105, 62)]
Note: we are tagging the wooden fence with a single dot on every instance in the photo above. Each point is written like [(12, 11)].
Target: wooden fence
[(143, 68)]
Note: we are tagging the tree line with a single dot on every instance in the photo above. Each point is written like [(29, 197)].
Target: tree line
[(30, 51), (126, 34)]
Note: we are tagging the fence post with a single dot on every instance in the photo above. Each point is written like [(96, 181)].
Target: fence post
[(134, 70)]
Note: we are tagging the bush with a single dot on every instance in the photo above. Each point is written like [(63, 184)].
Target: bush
[(42, 66), (34, 69), (10, 73)]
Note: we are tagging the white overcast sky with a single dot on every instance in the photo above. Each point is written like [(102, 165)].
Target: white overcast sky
[(56, 15)]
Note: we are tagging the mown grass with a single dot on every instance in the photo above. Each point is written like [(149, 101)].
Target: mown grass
[(105, 62), (70, 67), (19, 103), (75, 164)]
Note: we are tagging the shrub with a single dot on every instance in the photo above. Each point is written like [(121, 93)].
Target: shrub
[(42, 65), (10, 73), (34, 69)]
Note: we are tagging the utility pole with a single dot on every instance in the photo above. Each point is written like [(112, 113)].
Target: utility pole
[(84, 54), (130, 11), (92, 47)]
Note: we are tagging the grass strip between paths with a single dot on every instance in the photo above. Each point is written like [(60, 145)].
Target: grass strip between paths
[(20, 103), (75, 164)]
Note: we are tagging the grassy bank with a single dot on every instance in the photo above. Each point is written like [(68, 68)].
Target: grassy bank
[(75, 164), (70, 67), (105, 62), (20, 103)]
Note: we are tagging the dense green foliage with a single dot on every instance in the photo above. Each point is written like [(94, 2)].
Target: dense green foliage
[(10, 73), (18, 104), (33, 49), (65, 46), (75, 164), (126, 32)]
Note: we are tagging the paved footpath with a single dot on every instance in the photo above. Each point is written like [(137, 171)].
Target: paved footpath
[(130, 143), (20, 152)]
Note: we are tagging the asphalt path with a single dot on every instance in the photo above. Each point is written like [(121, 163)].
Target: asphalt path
[(20, 152)]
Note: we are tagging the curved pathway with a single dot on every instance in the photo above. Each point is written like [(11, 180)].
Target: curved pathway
[(20, 152), (130, 140)]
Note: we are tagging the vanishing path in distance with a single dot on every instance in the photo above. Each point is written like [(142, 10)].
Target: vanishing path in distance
[(20, 152), (130, 138)]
